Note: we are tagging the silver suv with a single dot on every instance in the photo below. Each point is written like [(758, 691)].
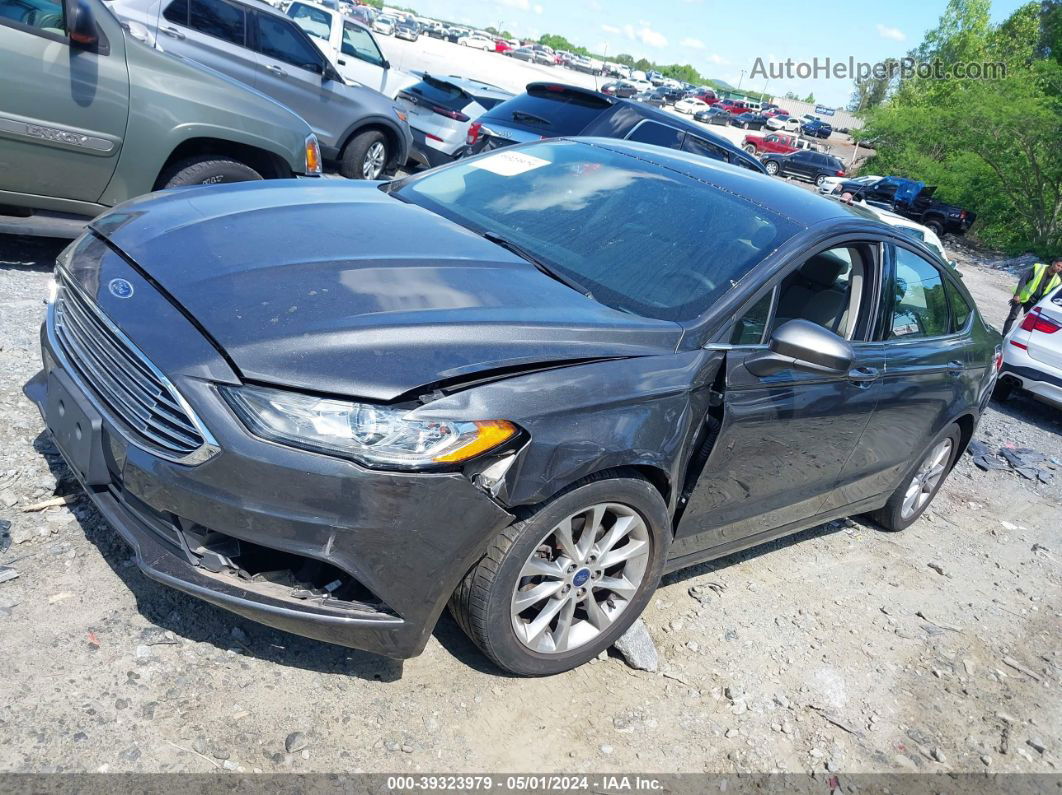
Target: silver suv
[(254, 43)]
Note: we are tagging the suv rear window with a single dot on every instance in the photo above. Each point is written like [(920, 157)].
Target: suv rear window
[(553, 110), (439, 92)]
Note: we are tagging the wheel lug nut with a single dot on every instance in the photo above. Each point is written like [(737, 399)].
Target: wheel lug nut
[(567, 588)]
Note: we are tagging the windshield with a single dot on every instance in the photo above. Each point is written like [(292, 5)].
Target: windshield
[(618, 225), (312, 20)]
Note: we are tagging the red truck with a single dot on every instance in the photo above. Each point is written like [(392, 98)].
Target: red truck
[(775, 143)]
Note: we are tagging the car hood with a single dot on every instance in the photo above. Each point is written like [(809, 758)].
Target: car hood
[(339, 288)]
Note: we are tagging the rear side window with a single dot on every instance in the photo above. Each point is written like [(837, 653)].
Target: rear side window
[(920, 305), (280, 40), (699, 146), (651, 132), (960, 310), (550, 113), (220, 19)]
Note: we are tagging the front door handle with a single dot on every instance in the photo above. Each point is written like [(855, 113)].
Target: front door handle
[(173, 32), (341, 62), (864, 375), (272, 67)]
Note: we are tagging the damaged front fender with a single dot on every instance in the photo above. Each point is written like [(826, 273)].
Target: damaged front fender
[(639, 412)]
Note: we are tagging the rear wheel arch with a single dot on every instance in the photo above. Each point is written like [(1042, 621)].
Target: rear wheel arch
[(268, 164), (966, 424)]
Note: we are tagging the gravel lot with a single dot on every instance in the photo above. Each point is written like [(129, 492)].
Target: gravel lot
[(841, 649)]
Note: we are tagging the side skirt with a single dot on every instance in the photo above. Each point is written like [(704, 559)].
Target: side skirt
[(730, 547)]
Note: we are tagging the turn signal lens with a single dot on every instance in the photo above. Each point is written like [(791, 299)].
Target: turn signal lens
[(489, 434), (313, 155)]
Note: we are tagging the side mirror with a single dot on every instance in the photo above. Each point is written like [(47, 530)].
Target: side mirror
[(80, 24), (804, 346)]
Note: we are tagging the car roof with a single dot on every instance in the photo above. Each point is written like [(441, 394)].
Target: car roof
[(471, 85), (797, 204)]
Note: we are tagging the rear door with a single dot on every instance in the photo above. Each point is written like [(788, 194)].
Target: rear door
[(63, 109), (926, 336), (212, 32)]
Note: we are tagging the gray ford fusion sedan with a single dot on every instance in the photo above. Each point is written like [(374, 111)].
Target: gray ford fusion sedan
[(525, 385)]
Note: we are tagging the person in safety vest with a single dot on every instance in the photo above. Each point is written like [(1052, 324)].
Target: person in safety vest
[(1034, 284)]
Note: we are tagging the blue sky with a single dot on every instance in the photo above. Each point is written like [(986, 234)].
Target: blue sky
[(720, 37)]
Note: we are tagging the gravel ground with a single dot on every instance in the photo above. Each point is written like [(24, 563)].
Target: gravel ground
[(840, 649)]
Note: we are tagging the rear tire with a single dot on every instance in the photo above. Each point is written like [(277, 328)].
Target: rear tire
[(820, 179), (921, 484), (206, 170), (366, 156), (936, 226), (527, 560)]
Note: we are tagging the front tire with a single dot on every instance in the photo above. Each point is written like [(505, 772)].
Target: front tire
[(206, 170), (366, 156), (557, 588), (771, 167), (921, 485)]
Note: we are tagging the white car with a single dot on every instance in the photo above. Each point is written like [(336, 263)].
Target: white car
[(691, 105), (384, 25), (641, 85), (830, 184), (350, 46), (476, 42), (906, 225), (1032, 353), (785, 123)]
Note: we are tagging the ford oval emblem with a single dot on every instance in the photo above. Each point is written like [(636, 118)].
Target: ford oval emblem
[(120, 288)]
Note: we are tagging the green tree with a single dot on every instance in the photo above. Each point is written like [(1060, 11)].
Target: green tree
[(624, 58), (809, 98), (989, 144)]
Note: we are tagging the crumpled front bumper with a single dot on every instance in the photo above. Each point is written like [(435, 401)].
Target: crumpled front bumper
[(408, 538)]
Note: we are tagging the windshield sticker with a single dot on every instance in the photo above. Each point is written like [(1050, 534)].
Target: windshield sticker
[(509, 164)]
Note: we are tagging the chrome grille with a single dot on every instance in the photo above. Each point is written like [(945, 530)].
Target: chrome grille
[(128, 387)]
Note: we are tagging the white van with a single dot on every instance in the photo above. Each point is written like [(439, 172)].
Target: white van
[(350, 46)]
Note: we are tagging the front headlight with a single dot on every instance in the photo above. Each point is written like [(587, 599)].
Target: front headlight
[(377, 436)]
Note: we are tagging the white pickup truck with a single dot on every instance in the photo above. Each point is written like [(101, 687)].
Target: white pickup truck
[(350, 46)]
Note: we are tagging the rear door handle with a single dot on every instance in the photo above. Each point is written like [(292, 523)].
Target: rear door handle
[(864, 375), (955, 368), (341, 62), (173, 32)]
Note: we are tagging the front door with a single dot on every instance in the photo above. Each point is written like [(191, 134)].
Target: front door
[(361, 60), (785, 438), (63, 108)]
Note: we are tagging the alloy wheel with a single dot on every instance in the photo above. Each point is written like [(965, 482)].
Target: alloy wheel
[(580, 578), (772, 168), (375, 157), (925, 481)]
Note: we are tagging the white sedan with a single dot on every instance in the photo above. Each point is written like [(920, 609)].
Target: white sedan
[(786, 123), (830, 184), (691, 105), (476, 42), (1032, 353)]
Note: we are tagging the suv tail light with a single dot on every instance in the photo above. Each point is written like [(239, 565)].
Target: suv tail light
[(1035, 321), (473, 132), (456, 115), (838, 173)]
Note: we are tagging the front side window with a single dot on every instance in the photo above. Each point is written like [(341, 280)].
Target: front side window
[(278, 40), (177, 12), (825, 289), (617, 225), (919, 303), (651, 132), (314, 21), (220, 19), (44, 15), (749, 329), (359, 43)]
